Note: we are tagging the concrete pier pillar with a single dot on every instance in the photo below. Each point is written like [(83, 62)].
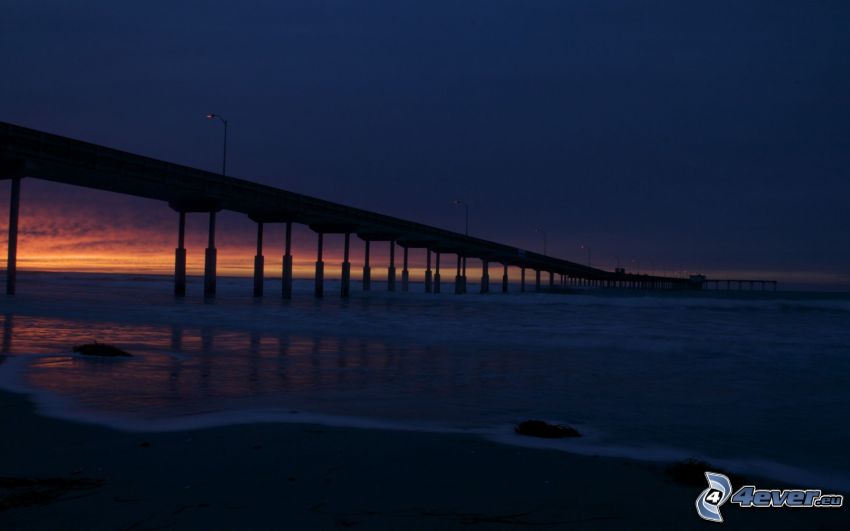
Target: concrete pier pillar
[(391, 268), (210, 260), (485, 276), (551, 281), (437, 274), (463, 276), (319, 290), (345, 279), (286, 290), (12, 256), (367, 270), (458, 277), (522, 279), (405, 275), (259, 263), (505, 279), (180, 258), (428, 271), (537, 280)]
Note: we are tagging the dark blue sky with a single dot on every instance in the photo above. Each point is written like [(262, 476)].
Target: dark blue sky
[(710, 136)]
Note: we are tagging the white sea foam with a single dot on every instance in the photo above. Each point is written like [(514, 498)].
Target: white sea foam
[(591, 443)]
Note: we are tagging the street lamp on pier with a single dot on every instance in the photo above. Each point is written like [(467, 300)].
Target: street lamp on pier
[(587, 247), (212, 116), (543, 232)]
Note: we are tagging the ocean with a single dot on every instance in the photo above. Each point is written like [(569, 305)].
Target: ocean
[(754, 382)]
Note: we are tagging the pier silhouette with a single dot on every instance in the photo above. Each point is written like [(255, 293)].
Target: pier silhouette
[(28, 153)]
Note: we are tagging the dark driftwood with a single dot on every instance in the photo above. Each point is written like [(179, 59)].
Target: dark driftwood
[(25, 492), (539, 428), (100, 349), (692, 472)]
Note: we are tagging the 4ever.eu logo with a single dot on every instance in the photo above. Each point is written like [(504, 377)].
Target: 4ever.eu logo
[(719, 491)]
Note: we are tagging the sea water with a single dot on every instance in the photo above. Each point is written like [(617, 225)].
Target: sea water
[(757, 382)]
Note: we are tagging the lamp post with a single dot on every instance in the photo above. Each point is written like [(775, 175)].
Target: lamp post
[(543, 232), (211, 254), (588, 253), (212, 116), (466, 224)]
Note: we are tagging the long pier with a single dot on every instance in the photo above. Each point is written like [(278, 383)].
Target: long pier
[(28, 153)]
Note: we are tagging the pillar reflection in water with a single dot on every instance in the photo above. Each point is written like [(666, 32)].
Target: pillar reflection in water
[(179, 371), (8, 324)]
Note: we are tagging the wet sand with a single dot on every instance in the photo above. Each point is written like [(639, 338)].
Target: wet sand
[(299, 476)]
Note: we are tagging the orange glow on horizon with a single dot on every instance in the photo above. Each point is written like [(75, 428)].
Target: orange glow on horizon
[(68, 229)]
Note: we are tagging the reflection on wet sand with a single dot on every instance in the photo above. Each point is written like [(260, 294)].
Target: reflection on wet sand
[(186, 370), (6, 346)]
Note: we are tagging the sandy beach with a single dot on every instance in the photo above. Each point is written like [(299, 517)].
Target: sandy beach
[(294, 476)]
